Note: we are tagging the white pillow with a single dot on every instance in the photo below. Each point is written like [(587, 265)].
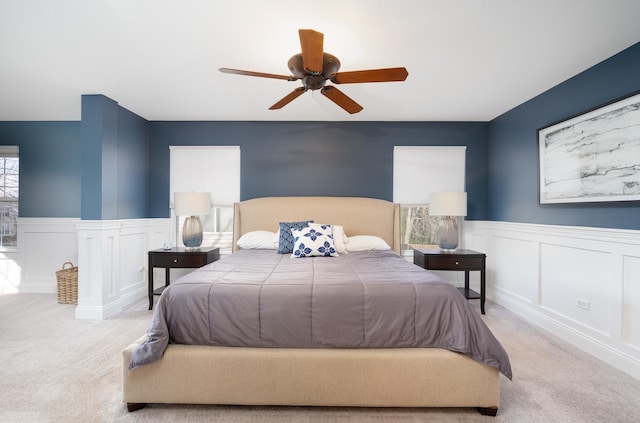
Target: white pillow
[(313, 241), (366, 243), (258, 240)]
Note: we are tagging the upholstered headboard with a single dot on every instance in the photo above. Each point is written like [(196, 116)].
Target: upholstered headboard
[(359, 216)]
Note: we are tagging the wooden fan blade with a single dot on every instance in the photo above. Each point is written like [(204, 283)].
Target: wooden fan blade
[(341, 99), (288, 98), (311, 43), (259, 74), (371, 75)]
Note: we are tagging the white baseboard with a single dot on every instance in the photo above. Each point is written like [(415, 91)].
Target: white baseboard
[(100, 312), (606, 353)]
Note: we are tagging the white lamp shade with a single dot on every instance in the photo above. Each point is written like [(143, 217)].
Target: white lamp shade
[(192, 203), (448, 204)]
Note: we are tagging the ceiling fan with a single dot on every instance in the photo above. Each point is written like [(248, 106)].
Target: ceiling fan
[(315, 67)]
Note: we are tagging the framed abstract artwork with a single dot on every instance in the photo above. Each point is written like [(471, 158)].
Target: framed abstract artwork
[(594, 156)]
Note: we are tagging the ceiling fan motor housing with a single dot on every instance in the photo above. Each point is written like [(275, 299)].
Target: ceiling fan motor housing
[(314, 81)]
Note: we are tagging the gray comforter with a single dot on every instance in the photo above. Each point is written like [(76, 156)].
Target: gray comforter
[(374, 299)]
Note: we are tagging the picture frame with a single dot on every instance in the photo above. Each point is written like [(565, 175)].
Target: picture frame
[(593, 156)]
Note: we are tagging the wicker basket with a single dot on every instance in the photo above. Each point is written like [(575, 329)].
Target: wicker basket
[(67, 284)]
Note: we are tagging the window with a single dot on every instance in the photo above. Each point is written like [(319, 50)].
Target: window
[(9, 184), (214, 169), (417, 228), (417, 172)]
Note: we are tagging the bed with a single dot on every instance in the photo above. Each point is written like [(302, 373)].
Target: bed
[(257, 374)]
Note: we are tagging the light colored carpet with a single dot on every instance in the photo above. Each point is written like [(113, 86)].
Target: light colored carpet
[(54, 368)]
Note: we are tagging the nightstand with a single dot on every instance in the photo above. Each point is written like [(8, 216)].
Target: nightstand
[(458, 260), (177, 258)]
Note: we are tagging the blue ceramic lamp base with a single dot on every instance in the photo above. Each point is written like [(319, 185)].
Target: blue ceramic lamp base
[(448, 234), (192, 232)]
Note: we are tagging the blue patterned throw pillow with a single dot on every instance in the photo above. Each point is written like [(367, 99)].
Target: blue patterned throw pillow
[(285, 240), (314, 241)]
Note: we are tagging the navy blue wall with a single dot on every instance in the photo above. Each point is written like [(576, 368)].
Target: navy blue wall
[(115, 161), (319, 158), (133, 165), (50, 166), (513, 148), (99, 157), (115, 165)]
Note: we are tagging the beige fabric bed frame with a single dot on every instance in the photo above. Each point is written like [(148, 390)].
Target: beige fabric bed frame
[(416, 377)]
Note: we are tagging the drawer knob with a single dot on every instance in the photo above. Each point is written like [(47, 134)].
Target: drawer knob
[(457, 263), (175, 260)]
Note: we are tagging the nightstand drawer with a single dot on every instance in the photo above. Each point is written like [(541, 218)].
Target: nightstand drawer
[(177, 261), (453, 263)]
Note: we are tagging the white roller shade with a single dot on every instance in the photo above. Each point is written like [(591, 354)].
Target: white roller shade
[(214, 169), (419, 171)]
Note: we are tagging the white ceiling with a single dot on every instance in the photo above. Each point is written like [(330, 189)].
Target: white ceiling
[(468, 60)]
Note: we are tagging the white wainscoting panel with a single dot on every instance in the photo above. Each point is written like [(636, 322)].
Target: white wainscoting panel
[(44, 245), (581, 284), (515, 264), (577, 286), (132, 266), (113, 263), (631, 302)]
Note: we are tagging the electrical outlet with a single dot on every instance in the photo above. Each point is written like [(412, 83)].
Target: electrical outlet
[(584, 304)]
